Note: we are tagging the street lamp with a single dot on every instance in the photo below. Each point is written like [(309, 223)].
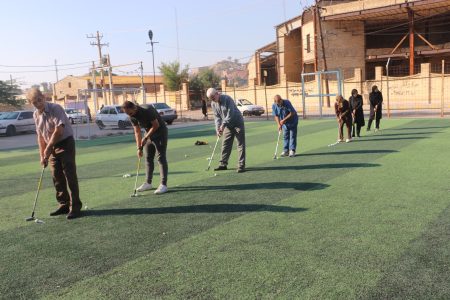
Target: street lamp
[(150, 36)]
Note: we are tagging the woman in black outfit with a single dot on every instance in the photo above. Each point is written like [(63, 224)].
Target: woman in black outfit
[(356, 105)]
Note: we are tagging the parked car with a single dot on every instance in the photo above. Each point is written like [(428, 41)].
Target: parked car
[(167, 113), (17, 121), (76, 116), (249, 109), (112, 116)]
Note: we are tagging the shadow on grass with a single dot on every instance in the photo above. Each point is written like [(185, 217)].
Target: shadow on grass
[(298, 186), (316, 167), (350, 152), (418, 128), (204, 208), (407, 134), (375, 138)]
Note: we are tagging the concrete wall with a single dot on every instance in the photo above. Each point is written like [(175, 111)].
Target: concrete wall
[(344, 45), (361, 5), (69, 86), (308, 28), (422, 93)]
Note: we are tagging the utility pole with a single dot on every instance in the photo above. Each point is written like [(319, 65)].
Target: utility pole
[(56, 70), (111, 95), (99, 45), (94, 86), (10, 77), (150, 36), (325, 68), (144, 98)]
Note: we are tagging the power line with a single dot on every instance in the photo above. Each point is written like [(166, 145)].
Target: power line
[(45, 66)]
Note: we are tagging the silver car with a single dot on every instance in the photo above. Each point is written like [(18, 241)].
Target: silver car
[(76, 116), (167, 113), (112, 116), (17, 121)]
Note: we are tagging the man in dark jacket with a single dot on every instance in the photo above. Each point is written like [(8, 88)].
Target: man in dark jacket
[(154, 142), (376, 101), (356, 105)]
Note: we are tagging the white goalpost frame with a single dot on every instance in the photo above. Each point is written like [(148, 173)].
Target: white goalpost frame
[(320, 95)]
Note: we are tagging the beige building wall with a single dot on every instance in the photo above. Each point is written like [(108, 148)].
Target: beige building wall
[(424, 92), (252, 71), (289, 44), (361, 5), (69, 86), (344, 43), (308, 29)]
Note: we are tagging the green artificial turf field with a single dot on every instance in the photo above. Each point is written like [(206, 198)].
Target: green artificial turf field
[(367, 220)]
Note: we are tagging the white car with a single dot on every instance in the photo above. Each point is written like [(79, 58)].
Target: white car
[(249, 109), (167, 113), (17, 121), (76, 116), (112, 116)]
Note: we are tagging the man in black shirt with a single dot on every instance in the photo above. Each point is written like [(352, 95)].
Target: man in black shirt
[(153, 142)]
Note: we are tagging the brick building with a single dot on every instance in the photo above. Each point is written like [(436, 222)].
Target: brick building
[(359, 34)]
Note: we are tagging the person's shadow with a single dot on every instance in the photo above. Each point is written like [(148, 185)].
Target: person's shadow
[(298, 186), (186, 209)]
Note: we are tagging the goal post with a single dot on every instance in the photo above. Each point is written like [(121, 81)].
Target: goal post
[(319, 85)]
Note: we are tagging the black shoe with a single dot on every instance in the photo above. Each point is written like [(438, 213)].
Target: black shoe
[(221, 168), (241, 170), (73, 215), (62, 210), (368, 129)]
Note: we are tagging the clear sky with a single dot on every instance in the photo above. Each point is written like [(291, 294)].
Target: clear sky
[(35, 33)]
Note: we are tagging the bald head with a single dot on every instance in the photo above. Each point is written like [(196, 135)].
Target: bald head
[(278, 100), (35, 97)]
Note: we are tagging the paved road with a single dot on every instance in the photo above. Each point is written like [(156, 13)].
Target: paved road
[(80, 130)]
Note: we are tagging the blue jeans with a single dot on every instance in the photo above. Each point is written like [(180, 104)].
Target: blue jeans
[(290, 138)]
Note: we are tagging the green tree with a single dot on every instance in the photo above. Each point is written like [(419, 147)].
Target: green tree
[(173, 75), (9, 93), (205, 79)]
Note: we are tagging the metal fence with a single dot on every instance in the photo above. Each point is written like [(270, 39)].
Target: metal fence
[(417, 95)]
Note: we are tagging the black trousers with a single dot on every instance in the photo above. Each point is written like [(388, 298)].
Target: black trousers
[(357, 131), (377, 123), (158, 147), (64, 173)]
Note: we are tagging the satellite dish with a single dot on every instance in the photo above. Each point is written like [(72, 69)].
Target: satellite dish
[(150, 35)]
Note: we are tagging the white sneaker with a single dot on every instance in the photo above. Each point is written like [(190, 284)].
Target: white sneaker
[(339, 141), (291, 153), (283, 154), (161, 189), (348, 140), (144, 187)]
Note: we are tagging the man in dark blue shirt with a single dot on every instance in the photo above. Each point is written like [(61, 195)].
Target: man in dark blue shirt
[(286, 119)]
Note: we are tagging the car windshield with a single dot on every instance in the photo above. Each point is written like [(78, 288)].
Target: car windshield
[(160, 105), (120, 110), (9, 116), (72, 111), (245, 102)]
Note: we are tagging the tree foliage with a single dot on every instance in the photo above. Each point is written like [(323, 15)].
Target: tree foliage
[(205, 79), (173, 75), (9, 93)]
